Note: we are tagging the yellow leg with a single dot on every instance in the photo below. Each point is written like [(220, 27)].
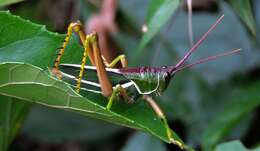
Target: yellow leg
[(118, 90), (91, 50), (113, 97), (64, 45), (91, 47), (161, 115), (77, 27), (87, 44), (120, 58), (87, 49)]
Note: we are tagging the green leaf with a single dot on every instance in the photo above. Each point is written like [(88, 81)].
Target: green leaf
[(234, 146), (157, 17), (247, 100), (12, 115), (152, 8), (19, 80), (244, 10), (8, 2), (32, 43), (26, 42)]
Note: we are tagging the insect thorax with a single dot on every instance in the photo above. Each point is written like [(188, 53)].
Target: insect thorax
[(149, 82)]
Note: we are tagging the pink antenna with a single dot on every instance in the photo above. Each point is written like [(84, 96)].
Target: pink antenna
[(194, 47), (210, 58)]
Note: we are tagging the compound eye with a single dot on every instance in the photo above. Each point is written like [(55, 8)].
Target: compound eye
[(164, 67)]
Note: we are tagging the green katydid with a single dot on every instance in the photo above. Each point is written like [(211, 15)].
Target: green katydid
[(130, 83)]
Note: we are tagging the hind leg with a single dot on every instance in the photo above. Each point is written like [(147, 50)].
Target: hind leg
[(161, 115)]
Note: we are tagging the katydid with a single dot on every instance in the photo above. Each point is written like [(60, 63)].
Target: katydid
[(130, 83)]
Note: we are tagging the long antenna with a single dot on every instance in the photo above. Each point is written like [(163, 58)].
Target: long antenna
[(194, 47), (210, 58)]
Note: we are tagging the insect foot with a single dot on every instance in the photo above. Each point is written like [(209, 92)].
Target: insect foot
[(56, 73), (179, 144), (113, 97)]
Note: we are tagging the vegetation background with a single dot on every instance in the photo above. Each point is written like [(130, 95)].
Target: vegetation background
[(213, 103)]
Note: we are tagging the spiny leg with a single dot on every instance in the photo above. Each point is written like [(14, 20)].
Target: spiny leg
[(161, 115), (73, 27), (87, 49), (91, 49), (76, 27), (64, 45)]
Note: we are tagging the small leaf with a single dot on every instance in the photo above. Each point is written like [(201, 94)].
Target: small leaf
[(247, 101), (234, 146), (244, 10), (160, 16), (31, 84), (152, 8), (8, 2)]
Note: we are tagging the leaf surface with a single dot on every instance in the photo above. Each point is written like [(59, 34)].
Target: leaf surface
[(13, 112), (244, 10), (29, 83), (247, 100), (159, 14)]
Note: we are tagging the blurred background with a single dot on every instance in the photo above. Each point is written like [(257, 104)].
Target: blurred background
[(212, 103)]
